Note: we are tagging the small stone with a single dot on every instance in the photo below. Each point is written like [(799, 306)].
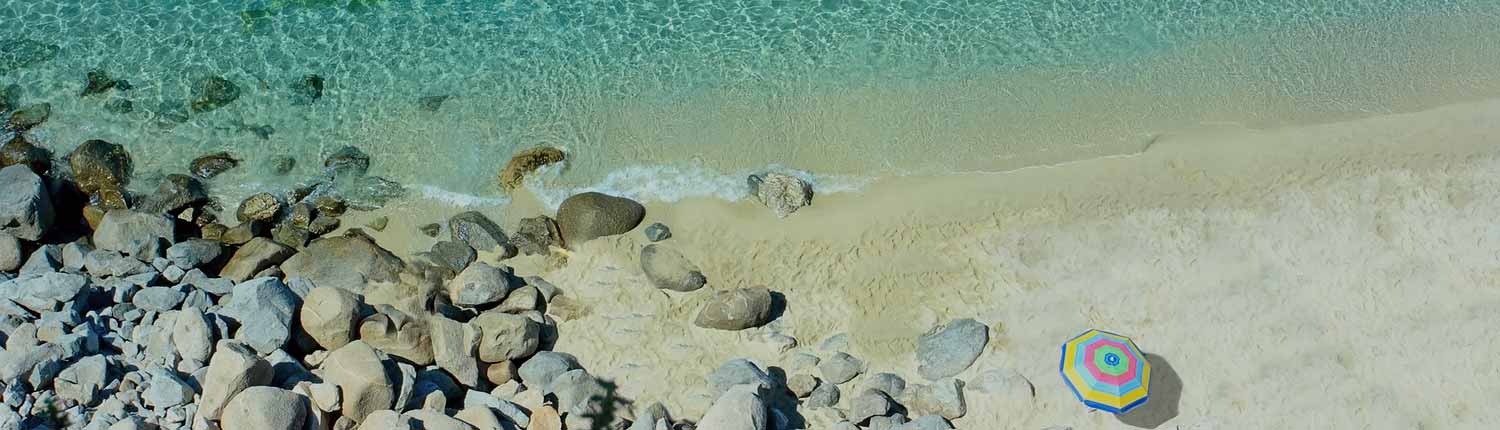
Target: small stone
[(736, 309), (10, 253), (547, 418), (454, 346), (100, 166), (670, 270), (945, 398), (841, 368), (825, 396), (542, 368), (947, 350), (482, 418), (892, 422), (802, 384), (500, 373), (255, 256), (259, 207), (510, 411), (586, 216), (378, 224), (783, 194), (216, 232), (211, 165), (351, 262), (166, 389), (657, 232), (431, 230), (46, 259), (323, 225), (525, 162), (325, 396), (213, 92), (522, 299)]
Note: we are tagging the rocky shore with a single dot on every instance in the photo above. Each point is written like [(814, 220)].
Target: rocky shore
[(172, 310)]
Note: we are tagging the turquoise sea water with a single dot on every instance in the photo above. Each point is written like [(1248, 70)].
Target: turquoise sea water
[(664, 99)]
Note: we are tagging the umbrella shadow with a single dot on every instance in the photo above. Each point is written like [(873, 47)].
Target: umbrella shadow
[(1166, 393)]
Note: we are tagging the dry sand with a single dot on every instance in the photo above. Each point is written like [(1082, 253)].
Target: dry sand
[(1330, 276)]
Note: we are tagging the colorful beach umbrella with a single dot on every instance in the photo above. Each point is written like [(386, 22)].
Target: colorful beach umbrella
[(1106, 371)]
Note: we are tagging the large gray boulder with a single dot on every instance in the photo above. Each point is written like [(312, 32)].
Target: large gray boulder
[(45, 292), (264, 309), (736, 309), (132, 233), (947, 350), (482, 284), (233, 368), (257, 255), (477, 230), (363, 380), (668, 269), (265, 408), (25, 206), (348, 262), (586, 216), (330, 315), (741, 408)]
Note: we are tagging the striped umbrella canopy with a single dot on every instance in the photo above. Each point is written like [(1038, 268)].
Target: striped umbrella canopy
[(1106, 371)]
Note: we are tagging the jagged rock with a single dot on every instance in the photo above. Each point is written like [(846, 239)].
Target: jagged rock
[(348, 262), (306, 90), (586, 216), (944, 397), (453, 255), (840, 368), (329, 316), (740, 408), (21, 151), (398, 334), (347, 161), (657, 232), (364, 383), (175, 194), (213, 92), (802, 384), (10, 252), (259, 207), (84, 381), (166, 389), (158, 299), (100, 166), (454, 346), (25, 205), (291, 236), (736, 309), (476, 230), (211, 165), (948, 350), (521, 300), (888, 383), (255, 256), (870, 403), (542, 368), (45, 292), (482, 284), (825, 396), (526, 161), (45, 259), (265, 408), (28, 117), (783, 194), (506, 337), (244, 232), (132, 233), (264, 308), (668, 269), (536, 235), (738, 371)]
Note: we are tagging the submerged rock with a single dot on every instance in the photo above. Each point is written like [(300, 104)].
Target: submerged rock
[(306, 90), (16, 54), (368, 192), (97, 82), (259, 207), (657, 232), (119, 106), (347, 161), (20, 150), (432, 103), (525, 162), (100, 166), (586, 216), (783, 194), (281, 165), (25, 206), (28, 117), (211, 165), (213, 92), (176, 193), (736, 309)]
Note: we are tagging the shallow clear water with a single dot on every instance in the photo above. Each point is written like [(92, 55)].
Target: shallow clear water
[(663, 99)]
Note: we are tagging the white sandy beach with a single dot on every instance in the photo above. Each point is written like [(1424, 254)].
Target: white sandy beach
[(1330, 276)]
